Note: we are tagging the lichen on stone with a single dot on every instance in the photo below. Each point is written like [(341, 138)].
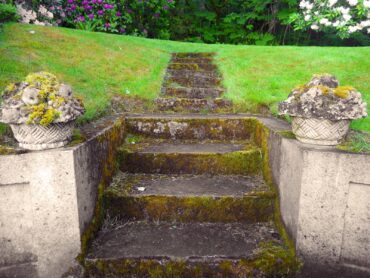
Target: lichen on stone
[(40, 99), (322, 97)]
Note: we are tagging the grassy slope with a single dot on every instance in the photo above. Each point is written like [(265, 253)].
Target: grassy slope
[(99, 65)]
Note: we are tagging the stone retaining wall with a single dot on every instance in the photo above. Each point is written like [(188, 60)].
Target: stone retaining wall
[(48, 198), (325, 201)]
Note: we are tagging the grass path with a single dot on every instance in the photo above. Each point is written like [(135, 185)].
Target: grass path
[(99, 65)]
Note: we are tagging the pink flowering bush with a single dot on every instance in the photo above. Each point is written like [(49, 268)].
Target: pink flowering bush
[(42, 12), (145, 18)]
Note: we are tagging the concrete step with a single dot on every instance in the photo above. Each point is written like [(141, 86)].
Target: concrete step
[(192, 104), (189, 198), (141, 249), (192, 81), (194, 157), (192, 126), (192, 92)]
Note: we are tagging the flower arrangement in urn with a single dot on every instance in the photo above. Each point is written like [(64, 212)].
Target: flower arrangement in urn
[(41, 111), (321, 110)]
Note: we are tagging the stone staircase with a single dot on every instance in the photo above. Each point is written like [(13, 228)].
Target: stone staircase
[(192, 84), (189, 201)]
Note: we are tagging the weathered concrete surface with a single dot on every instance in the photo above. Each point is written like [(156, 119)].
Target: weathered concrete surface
[(183, 241), (217, 148), (198, 158), (325, 201), (46, 200), (192, 126), (189, 198), (189, 185)]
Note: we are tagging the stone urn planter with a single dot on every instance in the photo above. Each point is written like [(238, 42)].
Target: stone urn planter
[(321, 110), (40, 111)]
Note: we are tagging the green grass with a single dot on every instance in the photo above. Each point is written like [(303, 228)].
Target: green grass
[(99, 65)]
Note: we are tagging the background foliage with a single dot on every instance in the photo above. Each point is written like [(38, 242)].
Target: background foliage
[(260, 22)]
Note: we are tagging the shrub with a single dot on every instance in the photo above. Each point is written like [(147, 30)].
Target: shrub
[(39, 12), (7, 13), (145, 18)]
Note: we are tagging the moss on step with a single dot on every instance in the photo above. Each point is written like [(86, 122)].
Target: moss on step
[(242, 162), (110, 142), (287, 134), (4, 150), (252, 208), (77, 138), (275, 260), (270, 260), (261, 139)]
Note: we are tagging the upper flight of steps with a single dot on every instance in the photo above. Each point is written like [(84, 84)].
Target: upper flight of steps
[(189, 201), (192, 83)]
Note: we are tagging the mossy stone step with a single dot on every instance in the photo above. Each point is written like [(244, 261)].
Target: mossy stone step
[(189, 73), (191, 158), (198, 60), (192, 104), (193, 54), (189, 250), (184, 92), (189, 198), (192, 126), (199, 67), (192, 81)]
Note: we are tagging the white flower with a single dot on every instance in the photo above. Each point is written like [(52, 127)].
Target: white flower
[(42, 10), (27, 15), (336, 23), (343, 10), (352, 2), (332, 2), (303, 4), (315, 27), (352, 29), (49, 15), (324, 21), (365, 23), (309, 6), (347, 17), (367, 4), (368, 30), (39, 23), (307, 17)]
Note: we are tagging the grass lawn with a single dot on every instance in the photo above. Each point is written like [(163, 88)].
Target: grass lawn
[(100, 65)]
